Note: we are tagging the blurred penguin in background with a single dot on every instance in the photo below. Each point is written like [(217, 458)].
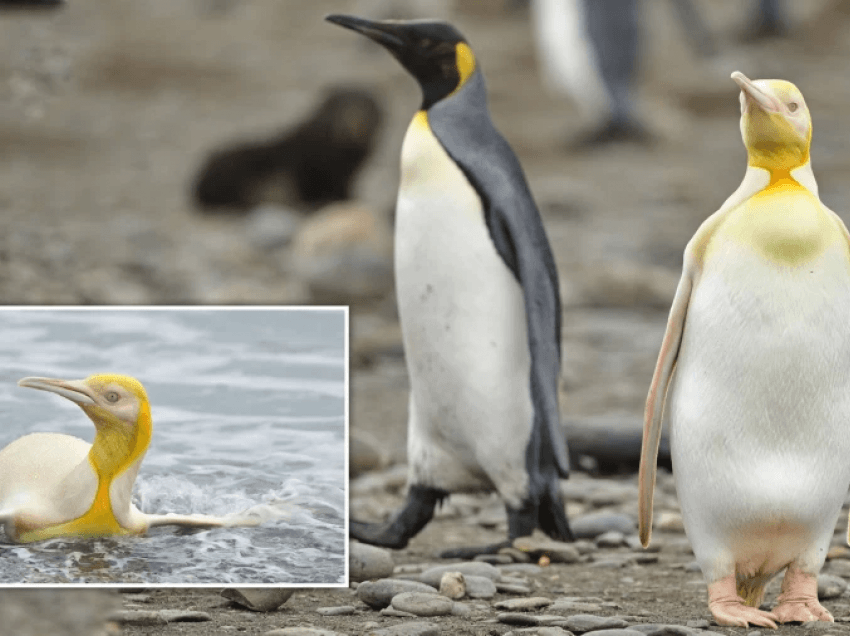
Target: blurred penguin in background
[(31, 4), (405, 9), (767, 20), (588, 50)]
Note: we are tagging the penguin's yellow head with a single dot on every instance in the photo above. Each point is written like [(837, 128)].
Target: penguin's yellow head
[(119, 408), (775, 123), (434, 52)]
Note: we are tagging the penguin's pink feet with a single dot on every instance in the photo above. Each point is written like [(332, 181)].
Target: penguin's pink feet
[(798, 601), (729, 609)]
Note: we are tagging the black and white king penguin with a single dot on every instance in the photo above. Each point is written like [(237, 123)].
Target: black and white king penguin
[(478, 300)]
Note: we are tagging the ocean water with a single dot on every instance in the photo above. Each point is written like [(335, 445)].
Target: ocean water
[(249, 413)]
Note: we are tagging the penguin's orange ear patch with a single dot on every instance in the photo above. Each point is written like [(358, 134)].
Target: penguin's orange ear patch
[(465, 60)]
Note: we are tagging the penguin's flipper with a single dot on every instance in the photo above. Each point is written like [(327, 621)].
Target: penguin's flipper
[(198, 521), (417, 511), (654, 413)]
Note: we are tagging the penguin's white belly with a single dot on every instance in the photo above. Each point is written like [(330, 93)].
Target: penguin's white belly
[(35, 477), (759, 409), (464, 326)]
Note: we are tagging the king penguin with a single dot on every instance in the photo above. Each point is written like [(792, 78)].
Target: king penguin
[(54, 485), (759, 401), (478, 301)]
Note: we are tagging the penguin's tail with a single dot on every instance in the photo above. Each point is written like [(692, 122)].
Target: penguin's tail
[(552, 516)]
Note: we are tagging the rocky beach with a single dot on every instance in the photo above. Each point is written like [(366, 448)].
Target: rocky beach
[(108, 110)]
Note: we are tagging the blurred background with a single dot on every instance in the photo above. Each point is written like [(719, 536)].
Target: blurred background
[(152, 152)]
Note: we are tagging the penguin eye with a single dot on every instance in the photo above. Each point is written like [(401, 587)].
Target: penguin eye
[(793, 106), (112, 396)]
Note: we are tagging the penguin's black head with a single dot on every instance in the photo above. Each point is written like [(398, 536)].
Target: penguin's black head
[(435, 53)]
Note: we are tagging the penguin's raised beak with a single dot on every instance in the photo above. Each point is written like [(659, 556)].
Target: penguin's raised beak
[(75, 390), (754, 95), (391, 35)]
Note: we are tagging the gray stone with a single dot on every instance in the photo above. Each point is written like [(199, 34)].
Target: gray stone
[(633, 541), (480, 587), (672, 630), (615, 632), (423, 604), (594, 524), (518, 556), (557, 551), (184, 616), (517, 618), (584, 546), (367, 562), (409, 629), (302, 631), (692, 566), (461, 609), (432, 576), (645, 559), (574, 606), (513, 588), (140, 618), (379, 594), (520, 568), (539, 631), (339, 610), (393, 612), (136, 598), (830, 586), (495, 559), (610, 539), (670, 521), (258, 599), (453, 585), (270, 226), (612, 562), (343, 254), (698, 624), (646, 628), (523, 604), (581, 623)]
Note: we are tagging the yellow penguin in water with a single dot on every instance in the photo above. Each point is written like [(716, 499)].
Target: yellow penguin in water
[(54, 485), (756, 360)]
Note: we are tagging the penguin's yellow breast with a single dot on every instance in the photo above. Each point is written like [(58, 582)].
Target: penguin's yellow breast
[(784, 223)]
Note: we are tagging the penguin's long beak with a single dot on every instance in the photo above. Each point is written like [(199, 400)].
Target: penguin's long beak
[(75, 390), (391, 35), (754, 95)]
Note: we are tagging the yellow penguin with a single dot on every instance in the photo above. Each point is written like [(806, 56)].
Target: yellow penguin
[(758, 404), (54, 485)]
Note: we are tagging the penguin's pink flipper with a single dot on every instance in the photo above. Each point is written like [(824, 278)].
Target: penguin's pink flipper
[(654, 413)]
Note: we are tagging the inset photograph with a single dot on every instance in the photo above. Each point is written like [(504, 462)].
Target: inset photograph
[(174, 446)]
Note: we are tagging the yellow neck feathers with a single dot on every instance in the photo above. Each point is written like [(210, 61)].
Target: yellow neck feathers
[(118, 445)]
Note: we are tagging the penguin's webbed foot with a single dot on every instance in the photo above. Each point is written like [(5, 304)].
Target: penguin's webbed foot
[(729, 609), (417, 511), (385, 535), (798, 602)]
